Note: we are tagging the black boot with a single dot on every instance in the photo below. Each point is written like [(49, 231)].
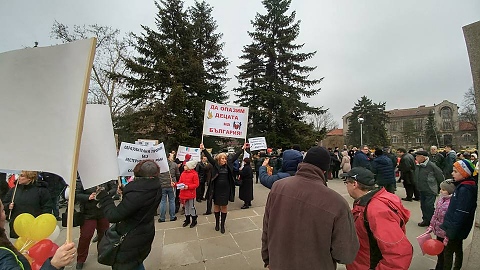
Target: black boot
[(194, 221), (222, 224), (217, 221), (187, 221)]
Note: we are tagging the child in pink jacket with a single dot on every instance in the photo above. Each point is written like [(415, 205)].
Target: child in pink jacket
[(446, 190)]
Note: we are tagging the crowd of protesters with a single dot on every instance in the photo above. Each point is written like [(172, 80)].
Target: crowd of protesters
[(376, 238)]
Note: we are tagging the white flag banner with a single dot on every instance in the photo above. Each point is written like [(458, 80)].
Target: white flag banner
[(258, 143), (97, 161), (225, 120), (43, 93), (130, 154), (194, 152)]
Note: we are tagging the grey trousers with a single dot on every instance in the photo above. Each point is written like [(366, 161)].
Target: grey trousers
[(190, 208)]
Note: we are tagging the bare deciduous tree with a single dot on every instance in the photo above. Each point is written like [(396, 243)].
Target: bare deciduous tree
[(111, 50), (468, 113), (322, 121)]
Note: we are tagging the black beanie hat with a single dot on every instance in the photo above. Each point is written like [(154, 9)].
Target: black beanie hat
[(318, 156)]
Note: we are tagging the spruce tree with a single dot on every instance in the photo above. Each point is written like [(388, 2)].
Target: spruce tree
[(273, 79), (179, 65), (375, 119), (431, 137)]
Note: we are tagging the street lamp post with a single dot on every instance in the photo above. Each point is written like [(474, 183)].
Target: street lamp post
[(360, 120)]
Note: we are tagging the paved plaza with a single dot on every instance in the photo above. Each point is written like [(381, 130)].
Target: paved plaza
[(203, 248)]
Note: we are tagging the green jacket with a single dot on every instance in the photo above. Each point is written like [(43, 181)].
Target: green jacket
[(428, 177)]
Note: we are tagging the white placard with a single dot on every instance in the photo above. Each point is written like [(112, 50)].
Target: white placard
[(130, 154), (43, 93), (145, 142), (194, 152), (258, 143), (97, 162), (225, 120)]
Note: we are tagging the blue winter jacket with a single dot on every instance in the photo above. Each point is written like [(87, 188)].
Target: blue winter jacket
[(461, 211), (361, 160), (291, 159), (384, 171), (10, 262)]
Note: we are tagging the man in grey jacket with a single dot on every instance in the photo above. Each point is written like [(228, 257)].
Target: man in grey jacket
[(168, 180), (306, 225), (427, 178)]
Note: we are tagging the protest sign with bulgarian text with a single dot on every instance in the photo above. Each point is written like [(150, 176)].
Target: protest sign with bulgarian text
[(131, 154), (258, 143), (225, 120)]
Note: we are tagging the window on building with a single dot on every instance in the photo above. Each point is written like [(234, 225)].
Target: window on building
[(419, 140), (447, 139), (446, 115), (418, 124), (394, 139), (393, 126), (467, 137)]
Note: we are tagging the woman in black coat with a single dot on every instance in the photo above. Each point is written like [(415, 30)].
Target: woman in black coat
[(246, 189), (135, 215), (94, 218), (30, 197), (222, 185)]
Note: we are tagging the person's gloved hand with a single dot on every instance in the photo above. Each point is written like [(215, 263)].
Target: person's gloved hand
[(429, 229), (445, 241), (100, 193)]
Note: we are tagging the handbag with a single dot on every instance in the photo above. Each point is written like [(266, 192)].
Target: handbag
[(238, 181), (111, 241), (78, 218), (422, 238)]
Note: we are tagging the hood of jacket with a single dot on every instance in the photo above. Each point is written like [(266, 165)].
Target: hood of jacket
[(291, 159), (383, 160)]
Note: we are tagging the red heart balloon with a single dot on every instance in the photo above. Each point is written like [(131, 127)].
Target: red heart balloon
[(41, 251), (36, 266), (433, 247)]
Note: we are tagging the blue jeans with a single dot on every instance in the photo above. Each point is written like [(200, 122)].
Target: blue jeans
[(171, 203)]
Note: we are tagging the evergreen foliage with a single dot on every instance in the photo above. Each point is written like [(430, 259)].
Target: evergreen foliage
[(273, 81), (374, 125), (431, 132), (408, 132), (178, 66)]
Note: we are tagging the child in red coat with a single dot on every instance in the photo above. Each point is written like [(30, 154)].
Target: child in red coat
[(187, 185)]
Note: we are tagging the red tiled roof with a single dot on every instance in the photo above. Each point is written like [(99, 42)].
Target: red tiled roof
[(420, 111), (466, 126), (335, 132)]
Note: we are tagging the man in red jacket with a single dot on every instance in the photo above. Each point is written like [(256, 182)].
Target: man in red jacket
[(380, 220)]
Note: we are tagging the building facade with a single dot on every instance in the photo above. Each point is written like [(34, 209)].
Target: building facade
[(450, 129)]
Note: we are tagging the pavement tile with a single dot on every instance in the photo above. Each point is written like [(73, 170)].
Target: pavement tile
[(241, 214), (193, 266), (179, 254), (258, 220), (249, 240), (178, 235), (234, 262), (207, 231), (217, 247), (239, 225), (254, 258)]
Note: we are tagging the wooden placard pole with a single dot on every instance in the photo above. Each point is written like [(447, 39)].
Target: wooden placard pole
[(78, 139)]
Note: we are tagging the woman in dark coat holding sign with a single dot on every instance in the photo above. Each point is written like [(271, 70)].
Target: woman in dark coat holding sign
[(135, 215), (222, 185), (245, 192)]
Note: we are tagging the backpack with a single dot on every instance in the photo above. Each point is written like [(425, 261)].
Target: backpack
[(20, 264), (375, 253)]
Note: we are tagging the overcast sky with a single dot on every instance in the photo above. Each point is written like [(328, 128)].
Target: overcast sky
[(405, 53)]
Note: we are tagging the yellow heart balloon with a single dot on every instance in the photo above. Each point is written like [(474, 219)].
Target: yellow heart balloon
[(23, 225), (43, 225), (23, 244)]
